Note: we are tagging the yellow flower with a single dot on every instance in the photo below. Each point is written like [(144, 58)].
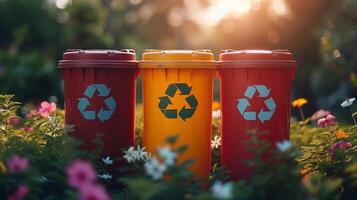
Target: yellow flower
[(215, 105), (2, 168), (340, 134), (299, 102)]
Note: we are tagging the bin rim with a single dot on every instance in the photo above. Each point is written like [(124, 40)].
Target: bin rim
[(155, 58), (245, 58), (210, 64), (257, 64), (98, 58), (97, 64)]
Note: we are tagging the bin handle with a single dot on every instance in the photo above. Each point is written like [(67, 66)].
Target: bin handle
[(126, 50), (227, 50)]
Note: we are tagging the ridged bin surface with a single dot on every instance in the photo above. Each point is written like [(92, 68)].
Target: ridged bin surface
[(253, 69), (194, 131), (119, 77)]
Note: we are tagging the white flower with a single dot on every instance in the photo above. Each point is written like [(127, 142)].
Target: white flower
[(137, 154), (167, 155), (216, 114), (105, 176), (141, 153), (222, 191), (107, 161), (284, 145), (53, 121), (155, 169), (348, 102), (130, 155), (216, 142)]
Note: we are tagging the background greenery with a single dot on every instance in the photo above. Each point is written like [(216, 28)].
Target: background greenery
[(321, 34)]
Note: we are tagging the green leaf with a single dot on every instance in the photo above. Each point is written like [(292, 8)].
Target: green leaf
[(187, 163), (352, 128), (181, 149), (354, 114), (172, 139), (339, 154), (143, 188)]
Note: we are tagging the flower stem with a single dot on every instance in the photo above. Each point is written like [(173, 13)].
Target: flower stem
[(301, 114), (354, 120)]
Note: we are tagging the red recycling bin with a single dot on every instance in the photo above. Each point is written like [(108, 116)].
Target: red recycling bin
[(255, 95), (99, 88)]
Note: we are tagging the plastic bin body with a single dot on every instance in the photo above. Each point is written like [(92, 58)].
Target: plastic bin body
[(255, 95), (99, 87), (177, 99)]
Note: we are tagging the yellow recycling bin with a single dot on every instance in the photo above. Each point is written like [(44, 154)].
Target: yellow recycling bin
[(177, 99)]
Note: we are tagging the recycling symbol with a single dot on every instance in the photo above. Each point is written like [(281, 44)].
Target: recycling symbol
[(263, 115), (185, 112), (102, 114)]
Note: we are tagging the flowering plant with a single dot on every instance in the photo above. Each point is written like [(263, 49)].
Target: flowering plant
[(40, 160)]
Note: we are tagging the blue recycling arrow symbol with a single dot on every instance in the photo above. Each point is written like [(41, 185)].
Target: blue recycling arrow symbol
[(103, 114), (263, 115)]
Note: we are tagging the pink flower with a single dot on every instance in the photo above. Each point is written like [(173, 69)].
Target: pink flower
[(319, 114), (341, 145), (93, 192), (31, 114), (46, 108), (321, 122), (80, 173), (17, 163), (329, 120), (338, 145), (20, 193), (14, 121), (27, 128)]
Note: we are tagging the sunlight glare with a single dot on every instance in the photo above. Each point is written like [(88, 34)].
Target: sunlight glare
[(220, 9), (62, 4), (279, 7)]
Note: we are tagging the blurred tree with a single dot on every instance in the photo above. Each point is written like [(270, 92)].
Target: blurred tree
[(34, 34), (338, 39), (29, 37), (86, 25)]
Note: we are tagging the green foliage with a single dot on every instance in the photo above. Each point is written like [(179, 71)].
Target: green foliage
[(30, 67), (304, 171), (315, 158), (32, 42), (49, 151), (338, 57)]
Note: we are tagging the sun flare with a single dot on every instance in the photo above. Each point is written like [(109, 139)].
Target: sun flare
[(220, 9), (217, 10)]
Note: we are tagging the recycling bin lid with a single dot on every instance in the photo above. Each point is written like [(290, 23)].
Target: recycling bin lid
[(93, 58), (201, 58), (231, 58)]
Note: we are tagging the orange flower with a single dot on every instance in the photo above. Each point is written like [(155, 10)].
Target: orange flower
[(340, 134), (299, 102), (303, 172), (215, 105)]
